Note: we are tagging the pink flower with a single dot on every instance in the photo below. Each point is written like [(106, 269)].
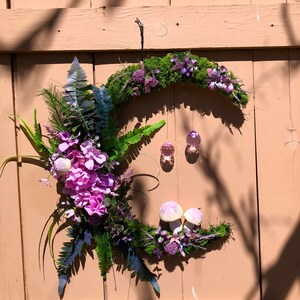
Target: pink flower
[(67, 141), (92, 155), (96, 207), (78, 179)]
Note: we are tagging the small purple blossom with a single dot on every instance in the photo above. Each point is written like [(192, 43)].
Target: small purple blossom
[(67, 141), (144, 80), (186, 66), (157, 252), (220, 78), (160, 239), (150, 82), (94, 157)]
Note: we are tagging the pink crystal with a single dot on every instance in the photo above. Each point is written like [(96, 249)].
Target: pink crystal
[(193, 139), (167, 149)]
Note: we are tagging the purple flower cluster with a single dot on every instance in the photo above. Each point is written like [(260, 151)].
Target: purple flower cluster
[(147, 81), (186, 66), (221, 78), (79, 168)]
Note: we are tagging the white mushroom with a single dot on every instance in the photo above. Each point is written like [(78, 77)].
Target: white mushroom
[(193, 217), (172, 212)]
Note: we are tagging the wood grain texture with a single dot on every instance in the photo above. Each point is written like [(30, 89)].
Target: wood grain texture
[(11, 265), (234, 26), (278, 161)]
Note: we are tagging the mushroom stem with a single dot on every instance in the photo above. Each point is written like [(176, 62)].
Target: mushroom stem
[(175, 226), (188, 226)]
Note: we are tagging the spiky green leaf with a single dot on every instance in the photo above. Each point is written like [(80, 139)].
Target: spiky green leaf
[(104, 252)]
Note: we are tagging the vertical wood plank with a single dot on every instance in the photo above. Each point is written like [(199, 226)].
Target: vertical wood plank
[(277, 119), (11, 264), (221, 182), (146, 110), (35, 72), (3, 4)]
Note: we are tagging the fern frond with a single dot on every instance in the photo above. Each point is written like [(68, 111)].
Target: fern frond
[(82, 104), (137, 265), (59, 111), (106, 125), (135, 136), (104, 252), (80, 238)]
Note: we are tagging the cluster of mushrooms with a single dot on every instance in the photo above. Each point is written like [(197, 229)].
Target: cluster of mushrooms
[(172, 213)]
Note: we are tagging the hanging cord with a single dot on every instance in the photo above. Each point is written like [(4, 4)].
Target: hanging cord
[(141, 26)]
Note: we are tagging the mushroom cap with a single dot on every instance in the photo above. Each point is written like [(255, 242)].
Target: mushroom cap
[(193, 215), (170, 211)]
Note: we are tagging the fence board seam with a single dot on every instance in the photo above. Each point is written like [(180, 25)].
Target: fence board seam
[(257, 187), (13, 85)]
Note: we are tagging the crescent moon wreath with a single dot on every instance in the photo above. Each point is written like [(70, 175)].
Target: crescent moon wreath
[(82, 150)]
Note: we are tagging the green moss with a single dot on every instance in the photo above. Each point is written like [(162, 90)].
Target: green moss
[(121, 86)]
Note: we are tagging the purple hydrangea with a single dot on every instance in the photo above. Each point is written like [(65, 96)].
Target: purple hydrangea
[(171, 248)]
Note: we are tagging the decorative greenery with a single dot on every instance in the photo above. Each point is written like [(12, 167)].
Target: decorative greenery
[(83, 148)]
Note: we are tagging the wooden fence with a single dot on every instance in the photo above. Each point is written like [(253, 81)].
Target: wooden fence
[(249, 174)]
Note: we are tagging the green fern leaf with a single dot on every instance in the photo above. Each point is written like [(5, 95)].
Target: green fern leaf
[(59, 111), (104, 252), (135, 136)]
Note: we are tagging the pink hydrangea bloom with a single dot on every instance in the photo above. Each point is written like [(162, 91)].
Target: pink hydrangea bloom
[(96, 207)]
